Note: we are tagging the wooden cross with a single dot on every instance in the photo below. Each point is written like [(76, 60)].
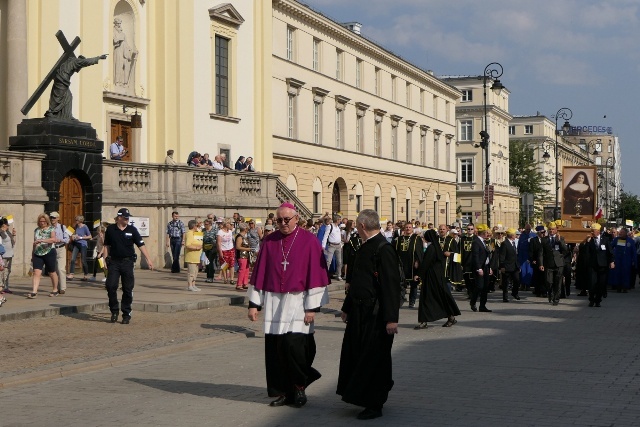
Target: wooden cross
[(68, 53)]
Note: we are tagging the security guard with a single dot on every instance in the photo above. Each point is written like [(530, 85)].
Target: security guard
[(121, 257)]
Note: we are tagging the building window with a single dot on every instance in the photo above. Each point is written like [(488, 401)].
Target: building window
[(447, 111), (436, 142), (222, 76), (466, 130), (512, 130), (339, 58), (599, 160), (421, 101), (467, 95), (317, 123), (435, 107), (316, 202), (377, 81), (394, 142), (359, 134), (358, 203), (376, 204), (609, 147), (377, 138), (407, 209), (292, 116), (448, 154), (423, 144), (359, 73), (393, 210), (466, 171), (339, 128), (528, 129), (393, 89), (316, 55), (408, 94), (290, 41), (409, 146)]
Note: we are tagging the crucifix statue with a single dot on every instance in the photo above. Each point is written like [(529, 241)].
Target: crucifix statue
[(68, 64)]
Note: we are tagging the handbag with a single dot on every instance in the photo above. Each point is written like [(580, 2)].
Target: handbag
[(204, 260)]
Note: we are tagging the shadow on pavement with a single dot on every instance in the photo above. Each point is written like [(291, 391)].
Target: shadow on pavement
[(236, 392)]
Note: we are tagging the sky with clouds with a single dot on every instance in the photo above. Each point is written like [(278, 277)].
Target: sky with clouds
[(580, 54)]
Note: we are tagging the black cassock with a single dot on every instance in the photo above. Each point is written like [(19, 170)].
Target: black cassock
[(365, 377), (436, 301), (453, 270)]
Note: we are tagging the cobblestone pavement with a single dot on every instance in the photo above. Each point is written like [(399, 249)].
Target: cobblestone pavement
[(525, 364)]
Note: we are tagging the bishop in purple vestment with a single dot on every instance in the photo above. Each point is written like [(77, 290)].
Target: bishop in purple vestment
[(289, 283)]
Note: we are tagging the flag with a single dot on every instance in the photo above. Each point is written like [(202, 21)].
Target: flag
[(598, 214)]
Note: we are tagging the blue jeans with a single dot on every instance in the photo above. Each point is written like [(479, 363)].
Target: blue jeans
[(83, 256), (176, 247)]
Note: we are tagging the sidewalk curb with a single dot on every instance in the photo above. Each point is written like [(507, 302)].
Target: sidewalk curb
[(225, 337), (150, 307)]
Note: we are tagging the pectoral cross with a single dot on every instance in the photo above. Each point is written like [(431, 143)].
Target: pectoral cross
[(284, 264)]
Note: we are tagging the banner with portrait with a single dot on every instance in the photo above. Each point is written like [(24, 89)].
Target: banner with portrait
[(579, 192)]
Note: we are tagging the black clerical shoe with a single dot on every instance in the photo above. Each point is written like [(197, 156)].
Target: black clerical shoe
[(598, 304), (114, 317), (485, 310), (281, 401), (555, 303), (369, 414), (515, 297), (126, 320), (505, 300), (473, 307), (591, 303), (582, 294), (299, 398)]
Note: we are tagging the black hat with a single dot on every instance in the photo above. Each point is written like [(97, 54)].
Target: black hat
[(124, 212)]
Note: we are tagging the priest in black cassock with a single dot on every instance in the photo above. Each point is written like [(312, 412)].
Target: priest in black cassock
[(410, 250), (436, 301), (370, 310)]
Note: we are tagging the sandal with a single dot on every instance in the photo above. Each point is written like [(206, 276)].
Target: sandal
[(31, 295), (69, 276), (53, 294), (84, 279), (232, 282), (422, 325), (239, 288), (245, 287)]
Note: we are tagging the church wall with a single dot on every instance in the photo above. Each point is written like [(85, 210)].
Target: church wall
[(4, 131)]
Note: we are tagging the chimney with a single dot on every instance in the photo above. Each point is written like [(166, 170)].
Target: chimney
[(354, 27)]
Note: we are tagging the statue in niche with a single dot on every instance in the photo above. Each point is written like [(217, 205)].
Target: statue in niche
[(124, 57)]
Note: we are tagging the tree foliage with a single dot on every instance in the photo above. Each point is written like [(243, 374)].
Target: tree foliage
[(627, 207), (524, 173)]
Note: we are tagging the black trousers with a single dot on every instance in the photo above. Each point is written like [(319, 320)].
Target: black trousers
[(413, 291), (539, 281), (120, 268), (598, 285), (566, 286), (175, 243), (210, 268), (512, 277), (554, 282), (469, 282), (288, 359), (481, 287)]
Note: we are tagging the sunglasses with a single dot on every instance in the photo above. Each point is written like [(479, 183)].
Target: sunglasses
[(285, 220)]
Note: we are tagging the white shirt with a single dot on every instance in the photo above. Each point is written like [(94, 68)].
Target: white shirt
[(331, 235), (218, 165), (226, 240), (117, 151)]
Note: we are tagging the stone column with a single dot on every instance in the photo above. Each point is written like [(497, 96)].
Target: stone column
[(17, 91)]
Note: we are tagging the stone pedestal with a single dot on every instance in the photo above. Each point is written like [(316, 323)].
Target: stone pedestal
[(70, 147)]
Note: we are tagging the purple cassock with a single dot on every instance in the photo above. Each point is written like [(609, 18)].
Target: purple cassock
[(291, 263)]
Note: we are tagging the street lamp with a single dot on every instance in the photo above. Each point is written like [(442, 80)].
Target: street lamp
[(491, 71), (565, 114)]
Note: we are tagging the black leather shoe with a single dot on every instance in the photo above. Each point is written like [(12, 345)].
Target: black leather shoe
[(516, 297), (473, 307), (591, 303), (369, 414), (126, 320), (505, 300), (299, 398), (597, 304), (114, 317), (485, 310), (281, 401), (555, 303)]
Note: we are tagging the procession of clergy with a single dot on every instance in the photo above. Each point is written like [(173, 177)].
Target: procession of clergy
[(290, 278)]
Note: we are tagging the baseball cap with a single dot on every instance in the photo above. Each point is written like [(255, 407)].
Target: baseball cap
[(540, 228), (124, 212), (596, 226), (54, 214)]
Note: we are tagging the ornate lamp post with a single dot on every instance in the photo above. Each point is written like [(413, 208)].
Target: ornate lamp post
[(491, 72), (565, 114)]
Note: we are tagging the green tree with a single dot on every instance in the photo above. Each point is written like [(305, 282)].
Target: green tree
[(524, 173), (627, 207)]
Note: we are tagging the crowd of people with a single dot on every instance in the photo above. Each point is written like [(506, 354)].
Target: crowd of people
[(219, 162)]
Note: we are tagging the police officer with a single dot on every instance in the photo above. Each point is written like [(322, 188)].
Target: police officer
[(121, 256)]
